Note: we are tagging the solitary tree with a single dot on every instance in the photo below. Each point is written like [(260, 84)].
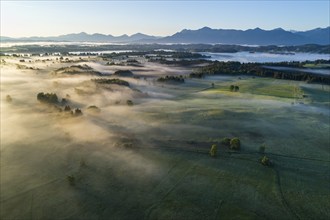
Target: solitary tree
[(8, 98), (67, 108), (235, 144), (71, 179), (232, 87), (265, 161), (77, 112), (213, 150)]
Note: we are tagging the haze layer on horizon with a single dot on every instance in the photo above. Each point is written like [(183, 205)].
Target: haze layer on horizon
[(159, 18)]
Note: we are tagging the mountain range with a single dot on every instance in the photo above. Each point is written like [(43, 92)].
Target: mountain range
[(204, 35)]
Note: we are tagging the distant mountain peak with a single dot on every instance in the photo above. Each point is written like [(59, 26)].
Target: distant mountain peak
[(97, 34), (256, 36), (206, 35), (139, 35), (185, 30), (205, 28), (278, 29)]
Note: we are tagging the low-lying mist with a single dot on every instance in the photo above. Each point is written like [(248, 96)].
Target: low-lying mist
[(141, 149)]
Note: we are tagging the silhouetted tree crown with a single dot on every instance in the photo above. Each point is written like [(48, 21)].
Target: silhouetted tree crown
[(47, 98)]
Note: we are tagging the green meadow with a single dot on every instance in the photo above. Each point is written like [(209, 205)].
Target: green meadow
[(150, 159)]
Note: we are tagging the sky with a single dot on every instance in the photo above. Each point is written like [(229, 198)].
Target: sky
[(159, 18)]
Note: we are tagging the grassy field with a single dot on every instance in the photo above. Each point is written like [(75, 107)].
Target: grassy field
[(151, 160), (318, 66), (264, 87)]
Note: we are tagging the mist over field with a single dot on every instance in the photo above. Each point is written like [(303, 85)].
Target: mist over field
[(141, 147), (164, 110)]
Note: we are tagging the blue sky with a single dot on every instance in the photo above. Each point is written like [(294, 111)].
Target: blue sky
[(51, 18)]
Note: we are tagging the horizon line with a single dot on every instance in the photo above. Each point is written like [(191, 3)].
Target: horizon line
[(84, 32)]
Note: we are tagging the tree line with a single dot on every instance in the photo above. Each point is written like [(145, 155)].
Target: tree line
[(258, 69)]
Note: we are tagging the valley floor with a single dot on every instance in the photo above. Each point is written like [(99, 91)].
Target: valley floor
[(150, 160)]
